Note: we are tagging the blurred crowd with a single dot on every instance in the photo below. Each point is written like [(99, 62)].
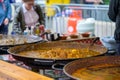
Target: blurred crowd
[(75, 1), (6, 12)]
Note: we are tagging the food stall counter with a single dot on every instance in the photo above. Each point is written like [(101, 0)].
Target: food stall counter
[(12, 72)]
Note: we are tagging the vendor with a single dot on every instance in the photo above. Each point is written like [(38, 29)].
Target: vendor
[(28, 15), (114, 15)]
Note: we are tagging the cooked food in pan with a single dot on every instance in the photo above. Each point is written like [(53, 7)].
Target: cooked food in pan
[(99, 72), (58, 50), (59, 53), (18, 39), (12, 41)]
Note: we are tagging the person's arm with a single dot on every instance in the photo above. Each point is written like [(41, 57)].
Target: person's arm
[(9, 10), (113, 9), (40, 13)]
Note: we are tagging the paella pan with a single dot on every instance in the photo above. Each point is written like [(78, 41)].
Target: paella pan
[(94, 68), (7, 41), (48, 53)]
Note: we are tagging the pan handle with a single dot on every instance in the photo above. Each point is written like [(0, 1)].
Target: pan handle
[(44, 61), (4, 48), (58, 66), (96, 39)]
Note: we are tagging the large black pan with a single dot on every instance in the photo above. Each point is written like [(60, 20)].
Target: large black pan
[(71, 67), (14, 51)]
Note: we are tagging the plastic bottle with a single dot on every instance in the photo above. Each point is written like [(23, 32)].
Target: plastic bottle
[(26, 31), (32, 30), (37, 30), (41, 28)]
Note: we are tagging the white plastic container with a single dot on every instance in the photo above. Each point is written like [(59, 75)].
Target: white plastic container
[(87, 25)]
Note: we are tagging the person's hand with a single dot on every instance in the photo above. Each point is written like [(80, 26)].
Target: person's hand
[(1, 0), (6, 21)]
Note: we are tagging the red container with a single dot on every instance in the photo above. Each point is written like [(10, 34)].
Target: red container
[(75, 16), (72, 23)]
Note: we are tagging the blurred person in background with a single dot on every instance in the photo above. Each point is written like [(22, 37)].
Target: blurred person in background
[(12, 1), (5, 16), (114, 15), (28, 15), (93, 1), (87, 13)]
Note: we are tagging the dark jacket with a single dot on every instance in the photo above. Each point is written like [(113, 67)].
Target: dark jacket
[(114, 15), (20, 21)]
